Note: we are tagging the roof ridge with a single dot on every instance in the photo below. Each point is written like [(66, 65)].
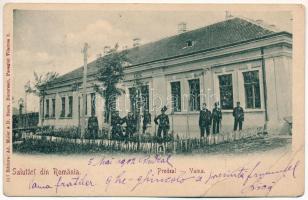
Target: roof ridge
[(262, 24), (189, 31), (211, 36)]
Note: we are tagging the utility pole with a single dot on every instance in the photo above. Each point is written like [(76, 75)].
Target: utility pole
[(84, 90), (27, 90)]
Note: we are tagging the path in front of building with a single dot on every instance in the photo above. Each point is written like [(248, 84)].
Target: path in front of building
[(246, 146)]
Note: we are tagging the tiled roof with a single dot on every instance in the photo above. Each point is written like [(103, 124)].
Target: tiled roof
[(213, 36)]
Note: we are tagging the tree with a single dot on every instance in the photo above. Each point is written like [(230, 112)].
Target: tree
[(39, 86), (110, 73), (137, 98)]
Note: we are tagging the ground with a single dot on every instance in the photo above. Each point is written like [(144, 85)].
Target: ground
[(260, 144)]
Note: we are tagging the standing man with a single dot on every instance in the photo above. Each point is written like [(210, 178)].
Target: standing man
[(116, 122), (93, 126), (217, 116), (162, 121), (238, 114), (146, 120), (205, 121), (130, 121)]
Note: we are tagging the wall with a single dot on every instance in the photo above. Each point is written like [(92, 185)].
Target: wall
[(207, 67), (278, 64)]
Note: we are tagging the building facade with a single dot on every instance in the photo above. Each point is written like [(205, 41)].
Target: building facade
[(230, 61)]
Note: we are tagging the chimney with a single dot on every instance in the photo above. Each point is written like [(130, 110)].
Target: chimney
[(182, 27), (106, 50), (136, 42), (99, 55), (228, 15)]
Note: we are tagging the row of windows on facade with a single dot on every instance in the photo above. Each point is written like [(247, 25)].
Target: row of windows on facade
[(139, 99), (251, 86), (69, 113)]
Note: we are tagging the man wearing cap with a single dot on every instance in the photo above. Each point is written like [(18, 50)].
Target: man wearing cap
[(217, 116), (131, 124), (205, 121), (162, 121), (238, 114)]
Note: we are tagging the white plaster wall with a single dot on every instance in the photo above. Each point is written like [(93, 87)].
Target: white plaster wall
[(279, 89), (278, 71)]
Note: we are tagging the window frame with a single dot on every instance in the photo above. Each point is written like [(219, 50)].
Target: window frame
[(133, 106), (53, 108), (70, 106), (179, 99), (198, 98), (219, 90), (145, 101), (189, 43), (93, 104), (143, 104), (47, 109), (63, 110), (257, 70)]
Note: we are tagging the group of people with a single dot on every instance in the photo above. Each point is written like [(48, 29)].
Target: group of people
[(131, 121), (208, 119)]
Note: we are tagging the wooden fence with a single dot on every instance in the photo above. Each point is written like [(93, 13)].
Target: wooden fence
[(177, 145)]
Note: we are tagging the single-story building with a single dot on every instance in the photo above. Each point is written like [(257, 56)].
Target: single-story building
[(233, 60)]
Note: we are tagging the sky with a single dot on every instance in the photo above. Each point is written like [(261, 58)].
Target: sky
[(52, 40)]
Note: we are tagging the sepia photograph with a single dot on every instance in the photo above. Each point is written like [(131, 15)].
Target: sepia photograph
[(112, 85), (215, 78)]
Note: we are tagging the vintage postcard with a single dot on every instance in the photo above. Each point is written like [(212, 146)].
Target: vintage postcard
[(161, 100)]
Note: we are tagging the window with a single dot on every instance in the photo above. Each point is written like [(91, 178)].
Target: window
[(252, 89), (194, 95), (47, 108), (189, 43), (53, 106), (139, 101), (226, 91), (93, 104), (133, 99), (70, 106), (176, 96), (145, 97), (62, 107)]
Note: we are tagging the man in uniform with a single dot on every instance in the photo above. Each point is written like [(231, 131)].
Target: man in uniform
[(146, 120), (238, 114), (205, 121), (131, 124), (162, 121), (116, 122), (93, 126), (217, 116)]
